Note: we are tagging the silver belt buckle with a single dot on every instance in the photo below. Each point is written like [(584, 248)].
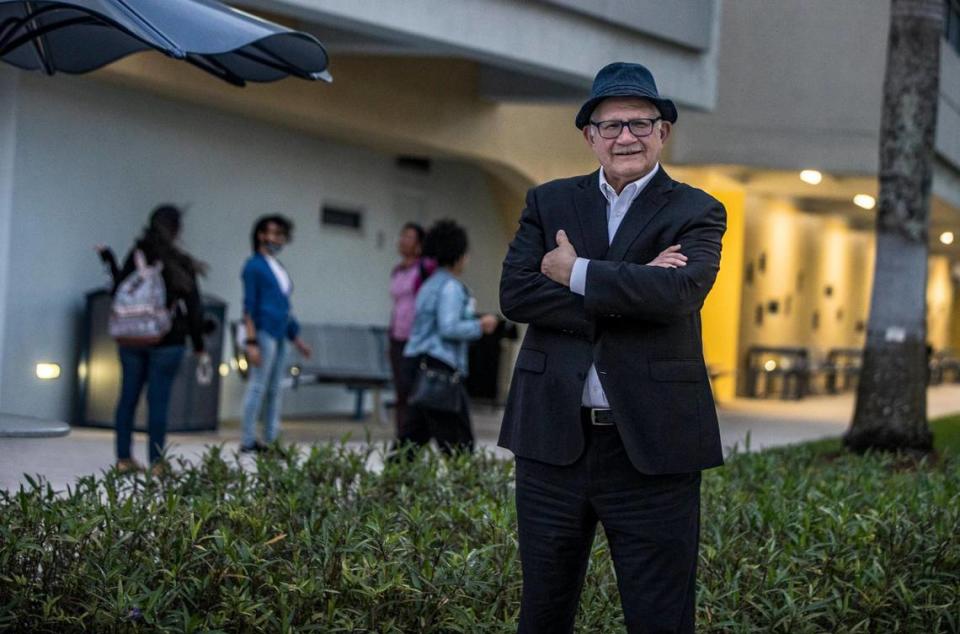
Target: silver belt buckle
[(593, 417)]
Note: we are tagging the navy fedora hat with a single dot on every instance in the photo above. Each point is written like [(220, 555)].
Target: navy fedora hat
[(623, 79)]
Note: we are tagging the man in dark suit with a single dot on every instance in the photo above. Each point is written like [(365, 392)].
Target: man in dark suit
[(610, 413)]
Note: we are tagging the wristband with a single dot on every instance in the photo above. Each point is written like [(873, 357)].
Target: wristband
[(251, 342)]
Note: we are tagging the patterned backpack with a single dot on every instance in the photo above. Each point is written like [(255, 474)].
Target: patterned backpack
[(139, 315)]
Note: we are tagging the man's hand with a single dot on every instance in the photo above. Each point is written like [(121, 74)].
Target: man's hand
[(669, 258), (303, 348), (558, 264)]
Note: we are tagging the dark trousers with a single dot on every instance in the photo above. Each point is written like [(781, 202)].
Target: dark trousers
[(157, 367), (652, 525), (401, 384), (450, 429)]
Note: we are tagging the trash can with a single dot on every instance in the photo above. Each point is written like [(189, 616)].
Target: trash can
[(193, 407)]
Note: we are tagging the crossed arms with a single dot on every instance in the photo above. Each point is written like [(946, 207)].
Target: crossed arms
[(534, 283)]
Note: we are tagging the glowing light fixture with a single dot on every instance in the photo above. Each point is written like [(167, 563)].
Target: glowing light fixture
[(48, 371), (811, 177), (770, 365), (864, 201), (224, 369), (242, 364), (946, 237), (295, 371)]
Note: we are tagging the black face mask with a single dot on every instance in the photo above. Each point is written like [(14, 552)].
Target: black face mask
[(273, 248)]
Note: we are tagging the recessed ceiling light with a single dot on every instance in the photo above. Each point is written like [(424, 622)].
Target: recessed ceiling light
[(946, 237), (813, 177)]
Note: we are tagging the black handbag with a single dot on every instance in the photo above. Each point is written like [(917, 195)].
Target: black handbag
[(436, 389)]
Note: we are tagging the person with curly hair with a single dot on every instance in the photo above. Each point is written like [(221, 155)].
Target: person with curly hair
[(444, 323)]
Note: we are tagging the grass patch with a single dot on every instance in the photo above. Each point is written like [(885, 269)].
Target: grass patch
[(790, 543), (946, 434)]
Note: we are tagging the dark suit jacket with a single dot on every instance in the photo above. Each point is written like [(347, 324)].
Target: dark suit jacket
[(640, 325)]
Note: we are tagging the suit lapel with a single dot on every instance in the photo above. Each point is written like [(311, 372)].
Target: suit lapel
[(592, 214), (647, 205)]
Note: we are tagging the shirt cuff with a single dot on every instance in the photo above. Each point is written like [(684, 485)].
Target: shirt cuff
[(578, 276)]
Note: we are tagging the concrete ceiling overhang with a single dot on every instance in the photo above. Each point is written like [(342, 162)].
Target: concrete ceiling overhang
[(524, 51), (834, 195)]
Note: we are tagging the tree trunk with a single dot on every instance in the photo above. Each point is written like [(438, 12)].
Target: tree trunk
[(891, 410)]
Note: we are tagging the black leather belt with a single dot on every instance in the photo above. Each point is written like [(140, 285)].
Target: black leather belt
[(600, 417)]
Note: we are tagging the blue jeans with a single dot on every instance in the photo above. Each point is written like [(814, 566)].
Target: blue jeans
[(157, 367), (263, 390)]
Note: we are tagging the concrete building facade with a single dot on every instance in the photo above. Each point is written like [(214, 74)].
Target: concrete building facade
[(486, 91)]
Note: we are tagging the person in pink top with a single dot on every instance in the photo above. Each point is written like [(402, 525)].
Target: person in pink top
[(405, 281)]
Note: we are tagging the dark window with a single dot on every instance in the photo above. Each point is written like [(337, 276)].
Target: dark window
[(342, 217), (951, 26)]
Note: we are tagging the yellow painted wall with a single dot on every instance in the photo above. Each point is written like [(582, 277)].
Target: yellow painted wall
[(939, 302), (721, 312), (811, 277)]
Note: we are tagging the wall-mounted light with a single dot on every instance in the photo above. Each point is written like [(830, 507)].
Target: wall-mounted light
[(224, 369), (770, 365), (48, 371), (864, 201), (946, 237), (811, 177)]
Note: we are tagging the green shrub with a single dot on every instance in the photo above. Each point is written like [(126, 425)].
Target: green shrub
[(794, 540)]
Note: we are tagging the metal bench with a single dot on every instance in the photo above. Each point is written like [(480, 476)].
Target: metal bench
[(841, 369), (351, 355), (769, 366)]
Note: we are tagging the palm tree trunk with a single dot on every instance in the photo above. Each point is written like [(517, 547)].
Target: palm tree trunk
[(891, 410)]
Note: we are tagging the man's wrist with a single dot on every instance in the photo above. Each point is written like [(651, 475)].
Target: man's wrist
[(578, 276)]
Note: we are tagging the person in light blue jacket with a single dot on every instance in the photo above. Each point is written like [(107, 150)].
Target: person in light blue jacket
[(269, 325), (443, 325)]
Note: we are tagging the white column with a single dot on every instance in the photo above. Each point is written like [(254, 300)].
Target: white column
[(9, 79)]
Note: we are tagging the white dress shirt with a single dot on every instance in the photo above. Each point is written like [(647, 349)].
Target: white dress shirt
[(617, 207), (283, 278)]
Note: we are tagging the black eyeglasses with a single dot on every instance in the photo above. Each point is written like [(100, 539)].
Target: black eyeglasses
[(638, 127)]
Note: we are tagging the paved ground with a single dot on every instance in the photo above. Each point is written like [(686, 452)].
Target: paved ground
[(768, 423)]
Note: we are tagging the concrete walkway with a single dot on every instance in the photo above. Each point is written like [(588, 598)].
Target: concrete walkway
[(768, 423)]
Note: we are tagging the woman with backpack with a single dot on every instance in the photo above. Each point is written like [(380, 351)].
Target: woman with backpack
[(436, 355), (154, 360)]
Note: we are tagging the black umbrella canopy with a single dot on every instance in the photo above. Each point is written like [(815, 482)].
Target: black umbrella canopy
[(77, 36)]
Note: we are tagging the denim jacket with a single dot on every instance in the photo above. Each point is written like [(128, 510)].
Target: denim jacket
[(444, 321)]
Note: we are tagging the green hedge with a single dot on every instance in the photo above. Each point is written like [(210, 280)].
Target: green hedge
[(794, 540)]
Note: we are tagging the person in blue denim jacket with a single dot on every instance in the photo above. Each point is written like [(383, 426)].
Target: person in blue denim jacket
[(444, 323), (269, 325)]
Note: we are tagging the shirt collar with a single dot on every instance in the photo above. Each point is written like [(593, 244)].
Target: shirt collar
[(631, 191)]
